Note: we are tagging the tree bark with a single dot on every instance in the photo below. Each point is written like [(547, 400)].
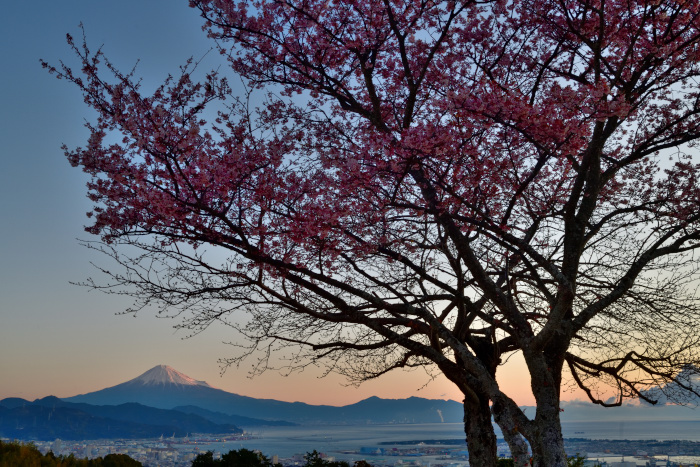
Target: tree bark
[(548, 446), (547, 441), (481, 438), (519, 450)]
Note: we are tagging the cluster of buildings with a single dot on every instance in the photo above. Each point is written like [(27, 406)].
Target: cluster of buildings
[(603, 453), (148, 452), (597, 453)]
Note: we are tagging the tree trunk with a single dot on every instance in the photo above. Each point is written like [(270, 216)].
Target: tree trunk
[(519, 450), (548, 445), (547, 441), (481, 438)]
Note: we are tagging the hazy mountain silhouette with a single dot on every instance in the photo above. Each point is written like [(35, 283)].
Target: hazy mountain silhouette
[(631, 411), (163, 387), (51, 418), (238, 420)]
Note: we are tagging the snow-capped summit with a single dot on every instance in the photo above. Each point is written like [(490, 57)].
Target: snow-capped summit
[(163, 374)]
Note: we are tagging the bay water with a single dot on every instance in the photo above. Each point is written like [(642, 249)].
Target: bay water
[(334, 439)]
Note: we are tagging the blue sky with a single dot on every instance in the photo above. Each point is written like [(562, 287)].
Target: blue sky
[(61, 339)]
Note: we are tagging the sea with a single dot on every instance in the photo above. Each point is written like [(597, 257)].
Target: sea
[(339, 441)]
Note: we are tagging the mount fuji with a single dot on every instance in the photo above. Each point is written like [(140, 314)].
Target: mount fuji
[(165, 375), (166, 388)]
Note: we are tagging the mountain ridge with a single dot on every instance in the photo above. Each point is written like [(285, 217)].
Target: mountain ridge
[(50, 417), (219, 405), (166, 388)]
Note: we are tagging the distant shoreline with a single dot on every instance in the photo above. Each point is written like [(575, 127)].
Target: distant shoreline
[(588, 446), (457, 441)]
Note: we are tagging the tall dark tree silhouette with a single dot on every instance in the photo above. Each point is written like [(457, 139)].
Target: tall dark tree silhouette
[(428, 183)]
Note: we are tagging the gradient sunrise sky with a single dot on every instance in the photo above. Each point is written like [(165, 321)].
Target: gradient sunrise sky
[(60, 339)]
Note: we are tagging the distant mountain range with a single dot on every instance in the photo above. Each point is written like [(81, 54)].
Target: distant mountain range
[(584, 411), (165, 388), (163, 401), (50, 418)]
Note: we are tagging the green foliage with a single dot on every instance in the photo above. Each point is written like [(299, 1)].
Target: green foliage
[(244, 458), (575, 461), (15, 454), (205, 459), (247, 458), (119, 460), (505, 462), (313, 459), (238, 458)]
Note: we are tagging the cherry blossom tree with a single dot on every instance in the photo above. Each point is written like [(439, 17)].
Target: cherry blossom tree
[(425, 184)]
